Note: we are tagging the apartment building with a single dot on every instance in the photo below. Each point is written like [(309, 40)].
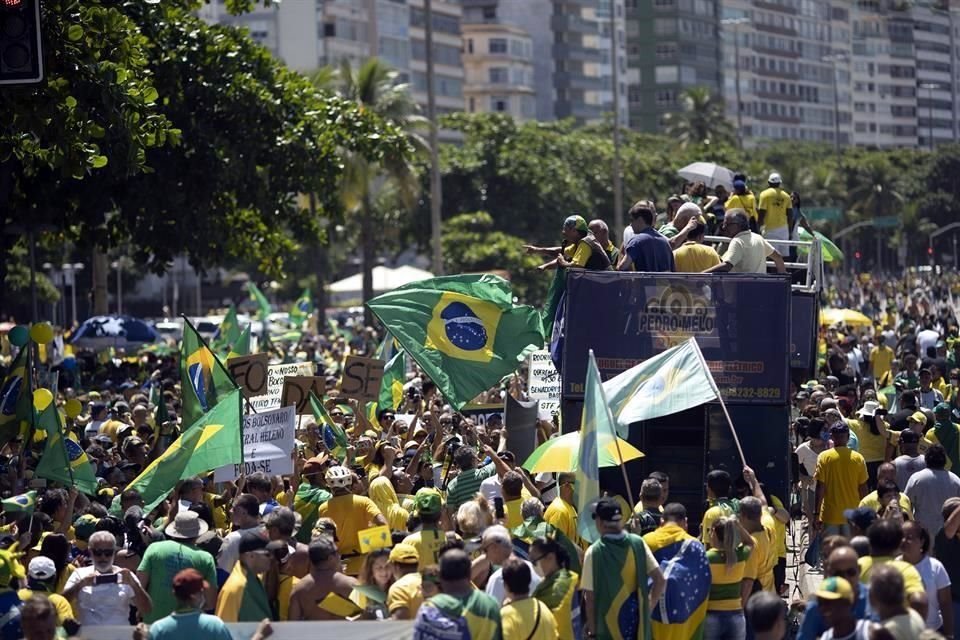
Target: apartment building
[(447, 49), (571, 46), (498, 70), (672, 45)]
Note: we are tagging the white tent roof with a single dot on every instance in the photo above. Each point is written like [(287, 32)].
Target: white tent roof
[(384, 279)]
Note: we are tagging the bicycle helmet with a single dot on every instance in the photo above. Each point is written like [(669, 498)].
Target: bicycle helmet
[(338, 477)]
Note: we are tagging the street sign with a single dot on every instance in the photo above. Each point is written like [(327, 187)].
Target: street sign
[(823, 213), (886, 222)]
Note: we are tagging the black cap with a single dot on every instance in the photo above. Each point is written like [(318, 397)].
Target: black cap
[(608, 510), (250, 541), (909, 436)]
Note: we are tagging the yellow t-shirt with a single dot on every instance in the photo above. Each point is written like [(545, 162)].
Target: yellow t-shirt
[(406, 593), (518, 620), (563, 516), (61, 604), (880, 360), (747, 202), (780, 529), (514, 516), (352, 515), (872, 501), (693, 257), (912, 582), (766, 557), (775, 201), (711, 515), (873, 447), (578, 253), (427, 543), (842, 471)]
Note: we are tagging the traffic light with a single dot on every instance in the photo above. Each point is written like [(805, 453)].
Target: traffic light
[(857, 255), (21, 54)]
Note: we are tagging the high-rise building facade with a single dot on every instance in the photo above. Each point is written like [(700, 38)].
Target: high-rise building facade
[(672, 45), (498, 67), (308, 34), (572, 52)]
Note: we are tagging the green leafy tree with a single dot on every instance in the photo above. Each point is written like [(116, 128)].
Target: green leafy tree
[(370, 186), (702, 119), (471, 244)]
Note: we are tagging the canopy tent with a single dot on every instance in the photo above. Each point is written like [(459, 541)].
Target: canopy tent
[(384, 279)]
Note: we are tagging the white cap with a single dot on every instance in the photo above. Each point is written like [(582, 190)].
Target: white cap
[(774, 178), (41, 568)]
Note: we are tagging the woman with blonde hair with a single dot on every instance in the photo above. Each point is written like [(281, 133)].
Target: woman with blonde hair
[(732, 574), (473, 517), (385, 497)]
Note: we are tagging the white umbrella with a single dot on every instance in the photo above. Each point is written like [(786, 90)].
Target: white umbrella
[(709, 173)]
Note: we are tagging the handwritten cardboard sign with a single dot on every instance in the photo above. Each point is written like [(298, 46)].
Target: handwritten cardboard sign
[(250, 373), (296, 392), (361, 378)]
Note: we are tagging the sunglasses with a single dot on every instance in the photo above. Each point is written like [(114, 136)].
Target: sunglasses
[(336, 414), (102, 553)]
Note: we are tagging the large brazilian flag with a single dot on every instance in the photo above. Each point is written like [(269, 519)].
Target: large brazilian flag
[(464, 331)]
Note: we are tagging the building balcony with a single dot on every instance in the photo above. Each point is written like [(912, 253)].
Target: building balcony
[(567, 22), (770, 6)]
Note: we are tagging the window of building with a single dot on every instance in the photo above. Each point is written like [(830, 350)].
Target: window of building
[(469, 45), (329, 30), (666, 74), (500, 104), (666, 97), (497, 45), (666, 50), (498, 75)]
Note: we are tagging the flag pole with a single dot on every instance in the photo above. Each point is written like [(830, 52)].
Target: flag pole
[(616, 440), (716, 390)]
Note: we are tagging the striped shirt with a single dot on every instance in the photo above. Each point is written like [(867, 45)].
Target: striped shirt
[(725, 585), (467, 484)]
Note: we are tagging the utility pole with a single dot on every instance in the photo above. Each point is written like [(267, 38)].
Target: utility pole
[(617, 175), (436, 195)]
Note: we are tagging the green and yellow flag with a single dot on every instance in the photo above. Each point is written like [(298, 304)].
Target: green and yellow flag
[(307, 503), (334, 437), (229, 331), (464, 331), (391, 387), (241, 346), (63, 459), (203, 379), (264, 305), (214, 440), (16, 399), (301, 309), (23, 503), (673, 381)]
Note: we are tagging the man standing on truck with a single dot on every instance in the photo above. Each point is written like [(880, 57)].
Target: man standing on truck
[(748, 251)]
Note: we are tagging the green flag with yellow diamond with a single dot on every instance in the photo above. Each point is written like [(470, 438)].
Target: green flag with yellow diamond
[(228, 332), (213, 441), (464, 331), (391, 385), (203, 378)]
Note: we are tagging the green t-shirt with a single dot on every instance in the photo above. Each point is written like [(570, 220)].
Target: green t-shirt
[(161, 562), (476, 616), (192, 624)]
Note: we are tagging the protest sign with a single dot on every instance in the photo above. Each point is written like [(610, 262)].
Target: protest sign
[(361, 378), (267, 443), (543, 383), (296, 392), (250, 373), (275, 375)]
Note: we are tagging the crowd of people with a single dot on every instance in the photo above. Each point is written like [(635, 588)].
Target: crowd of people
[(478, 547)]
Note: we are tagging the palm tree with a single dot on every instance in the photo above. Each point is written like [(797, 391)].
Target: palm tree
[(701, 120), (376, 87)]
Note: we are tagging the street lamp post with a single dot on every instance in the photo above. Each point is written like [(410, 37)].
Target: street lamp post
[(71, 269), (615, 79), (736, 22), (930, 86)]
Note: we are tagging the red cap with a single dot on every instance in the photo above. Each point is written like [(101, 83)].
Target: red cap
[(187, 583)]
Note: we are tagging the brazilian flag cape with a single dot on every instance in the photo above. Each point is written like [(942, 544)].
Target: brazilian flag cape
[(243, 598), (307, 503), (949, 437), (620, 588), (682, 610)]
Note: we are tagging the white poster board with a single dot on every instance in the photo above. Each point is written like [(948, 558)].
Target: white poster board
[(543, 383), (275, 375), (267, 443)]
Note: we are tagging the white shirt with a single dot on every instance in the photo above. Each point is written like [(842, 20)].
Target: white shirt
[(230, 550), (807, 457), (934, 576), (747, 253), (546, 497), (495, 587), (93, 429), (926, 339), (491, 488), (101, 604)]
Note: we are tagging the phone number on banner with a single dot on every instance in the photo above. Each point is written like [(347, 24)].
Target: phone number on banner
[(771, 393)]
